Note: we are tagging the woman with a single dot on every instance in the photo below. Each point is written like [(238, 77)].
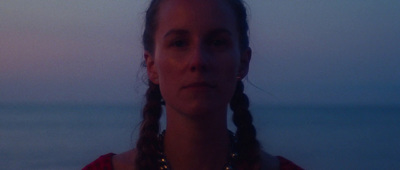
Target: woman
[(196, 54)]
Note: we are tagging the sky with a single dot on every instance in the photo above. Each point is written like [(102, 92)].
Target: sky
[(304, 52)]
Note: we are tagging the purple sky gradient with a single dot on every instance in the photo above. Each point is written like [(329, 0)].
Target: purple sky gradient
[(304, 52)]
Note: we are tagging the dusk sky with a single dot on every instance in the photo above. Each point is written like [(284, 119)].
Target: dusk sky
[(304, 52)]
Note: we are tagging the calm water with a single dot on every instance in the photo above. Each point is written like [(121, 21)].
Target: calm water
[(70, 136)]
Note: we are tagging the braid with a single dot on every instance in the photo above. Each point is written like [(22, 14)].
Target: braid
[(248, 146), (148, 138)]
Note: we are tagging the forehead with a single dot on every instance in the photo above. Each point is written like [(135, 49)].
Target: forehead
[(195, 15)]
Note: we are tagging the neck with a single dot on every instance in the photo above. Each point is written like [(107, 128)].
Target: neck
[(201, 142)]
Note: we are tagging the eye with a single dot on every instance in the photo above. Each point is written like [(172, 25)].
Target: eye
[(178, 43), (218, 42)]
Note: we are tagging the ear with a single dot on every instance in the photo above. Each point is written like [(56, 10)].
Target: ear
[(244, 63), (150, 66)]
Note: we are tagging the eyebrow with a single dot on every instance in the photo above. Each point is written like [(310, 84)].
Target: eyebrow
[(185, 32), (219, 31), (177, 32)]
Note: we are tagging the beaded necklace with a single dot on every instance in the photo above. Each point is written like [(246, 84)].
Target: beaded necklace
[(164, 165)]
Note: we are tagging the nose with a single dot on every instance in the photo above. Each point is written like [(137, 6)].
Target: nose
[(199, 59)]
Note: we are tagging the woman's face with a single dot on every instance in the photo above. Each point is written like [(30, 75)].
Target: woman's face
[(197, 58)]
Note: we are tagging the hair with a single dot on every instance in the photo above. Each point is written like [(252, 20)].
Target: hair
[(248, 146)]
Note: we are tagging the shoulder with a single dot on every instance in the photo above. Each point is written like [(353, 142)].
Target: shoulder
[(269, 162), (111, 161), (103, 162), (125, 161), (285, 164)]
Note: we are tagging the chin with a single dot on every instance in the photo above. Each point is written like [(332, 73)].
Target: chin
[(204, 108)]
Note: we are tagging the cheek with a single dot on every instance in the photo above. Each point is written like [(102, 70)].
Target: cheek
[(163, 66), (168, 70), (228, 72), (168, 75), (229, 66)]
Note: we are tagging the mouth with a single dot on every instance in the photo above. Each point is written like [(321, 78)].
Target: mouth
[(199, 85)]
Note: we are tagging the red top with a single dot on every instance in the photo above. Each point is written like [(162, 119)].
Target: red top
[(104, 162)]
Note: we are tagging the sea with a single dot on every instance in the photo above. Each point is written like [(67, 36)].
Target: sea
[(69, 136)]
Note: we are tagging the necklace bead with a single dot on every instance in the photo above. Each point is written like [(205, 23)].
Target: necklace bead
[(164, 165)]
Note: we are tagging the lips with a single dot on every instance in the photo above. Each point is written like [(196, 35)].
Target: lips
[(199, 85)]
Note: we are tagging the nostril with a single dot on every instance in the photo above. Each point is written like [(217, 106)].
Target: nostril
[(193, 68), (198, 68)]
